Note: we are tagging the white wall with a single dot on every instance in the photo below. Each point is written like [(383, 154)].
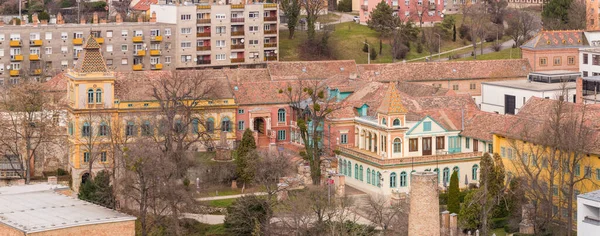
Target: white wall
[(165, 13), (585, 208), (493, 97), (589, 68)]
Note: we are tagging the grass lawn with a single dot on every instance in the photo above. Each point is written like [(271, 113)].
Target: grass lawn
[(502, 54), (222, 202), (498, 232)]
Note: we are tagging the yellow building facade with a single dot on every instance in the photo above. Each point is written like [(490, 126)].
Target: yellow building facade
[(106, 110)]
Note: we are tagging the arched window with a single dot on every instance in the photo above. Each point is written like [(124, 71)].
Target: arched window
[(397, 145), (70, 128), (446, 175), (356, 175), (225, 124), (195, 122), (281, 115), (383, 121), (344, 167), (90, 96), (437, 171), (86, 130), (210, 125), (103, 129), (396, 122), (130, 129), (393, 180), (474, 172), (455, 169), (368, 176), (98, 95), (403, 179), (360, 170), (374, 179), (349, 169), (340, 166)]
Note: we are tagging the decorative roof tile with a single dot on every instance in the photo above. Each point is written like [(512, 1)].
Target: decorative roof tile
[(392, 103), (91, 59)]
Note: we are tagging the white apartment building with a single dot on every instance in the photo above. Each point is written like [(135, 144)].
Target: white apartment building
[(588, 213)]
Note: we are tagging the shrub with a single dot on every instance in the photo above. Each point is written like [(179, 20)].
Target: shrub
[(496, 47), (247, 214), (498, 223), (365, 47), (419, 47), (345, 6), (511, 229), (44, 16), (491, 35), (443, 198), (373, 54), (401, 52), (61, 172)]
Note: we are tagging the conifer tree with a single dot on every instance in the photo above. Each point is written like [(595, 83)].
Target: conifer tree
[(245, 158), (453, 194)]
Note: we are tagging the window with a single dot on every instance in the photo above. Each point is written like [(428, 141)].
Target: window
[(253, 14), (281, 135), (86, 130), (253, 42), (403, 179), (226, 125), (186, 58), (210, 125), (220, 43), (427, 126), (473, 86), (577, 170), (557, 61), (344, 138), (393, 180), (397, 145), (281, 115), (220, 16), (571, 60), (510, 156), (86, 157), (186, 17), (375, 178), (383, 121), (186, 44), (253, 28), (588, 172), (124, 33), (474, 172), (186, 30), (595, 59), (48, 50), (130, 129), (585, 58), (440, 143), (360, 171), (48, 35), (240, 111), (455, 87), (356, 175), (109, 47), (467, 142), (64, 35), (221, 29), (90, 96), (124, 47), (123, 61), (585, 74), (168, 32), (220, 57), (109, 33), (103, 129), (396, 122), (555, 190), (368, 176), (98, 96), (446, 175), (168, 60), (349, 169), (413, 145), (543, 61), (241, 125)]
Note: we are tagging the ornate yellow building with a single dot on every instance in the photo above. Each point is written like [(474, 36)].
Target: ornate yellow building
[(105, 109)]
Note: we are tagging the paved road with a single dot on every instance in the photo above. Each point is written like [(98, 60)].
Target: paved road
[(228, 196), (504, 45)]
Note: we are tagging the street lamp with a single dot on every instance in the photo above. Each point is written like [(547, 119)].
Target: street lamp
[(439, 45), (368, 52)]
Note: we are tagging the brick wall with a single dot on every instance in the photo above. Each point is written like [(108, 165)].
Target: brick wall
[(534, 57), (464, 86), (126, 228)]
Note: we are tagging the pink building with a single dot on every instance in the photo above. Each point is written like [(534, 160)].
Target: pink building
[(421, 12)]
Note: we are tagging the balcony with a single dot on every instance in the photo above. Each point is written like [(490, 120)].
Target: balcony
[(34, 57), (157, 66), (16, 57), (237, 33), (202, 7), (15, 43), (237, 46), (270, 45), (237, 20), (138, 39), (140, 53), (201, 35), (138, 67), (155, 52), (36, 72), (36, 42), (370, 157), (237, 6), (156, 38), (78, 41), (270, 31), (203, 21), (237, 60), (14, 72), (203, 62), (270, 58), (99, 40), (271, 18), (270, 5), (202, 48)]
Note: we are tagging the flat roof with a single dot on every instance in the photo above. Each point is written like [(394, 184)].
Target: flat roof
[(556, 72), (592, 78), (593, 196), (33, 208), (533, 86)]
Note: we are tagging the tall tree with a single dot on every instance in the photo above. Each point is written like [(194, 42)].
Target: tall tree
[(556, 12), (453, 194), (99, 190), (476, 18), (313, 8), (246, 158), (382, 20), (497, 10), (291, 10), (521, 25)]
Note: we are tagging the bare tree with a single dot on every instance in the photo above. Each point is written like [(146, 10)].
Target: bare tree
[(388, 215), (476, 18), (313, 9), (521, 25), (30, 120)]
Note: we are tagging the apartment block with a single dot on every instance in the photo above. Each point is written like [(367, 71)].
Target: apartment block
[(43, 50), (222, 35)]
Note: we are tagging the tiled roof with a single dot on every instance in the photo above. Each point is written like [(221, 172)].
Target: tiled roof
[(91, 60), (392, 102), (143, 5), (311, 69), (481, 125), (440, 71), (557, 39), (262, 92)]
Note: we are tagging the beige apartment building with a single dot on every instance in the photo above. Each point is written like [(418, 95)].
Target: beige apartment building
[(185, 36), (219, 35)]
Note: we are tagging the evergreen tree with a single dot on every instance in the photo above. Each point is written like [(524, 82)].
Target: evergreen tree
[(453, 194), (246, 158), (454, 33), (365, 47), (382, 20), (373, 54), (291, 10), (380, 46), (98, 190)]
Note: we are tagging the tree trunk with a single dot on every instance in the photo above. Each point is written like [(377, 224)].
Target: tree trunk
[(292, 31), (311, 28)]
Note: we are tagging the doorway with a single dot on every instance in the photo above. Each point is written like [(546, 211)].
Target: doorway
[(426, 146), (259, 125)]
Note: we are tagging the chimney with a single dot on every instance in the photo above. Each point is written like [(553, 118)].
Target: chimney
[(140, 19), (453, 224), (153, 17), (59, 19), (82, 21), (579, 90), (118, 19), (34, 19), (95, 18)]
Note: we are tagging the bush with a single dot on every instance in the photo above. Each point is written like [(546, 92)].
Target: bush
[(464, 32), (365, 47), (498, 222), (496, 47), (246, 215), (419, 47), (61, 172), (373, 54), (44, 16), (511, 229), (345, 6), (443, 198), (401, 52), (491, 35)]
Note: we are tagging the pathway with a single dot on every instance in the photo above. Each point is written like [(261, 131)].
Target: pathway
[(228, 196), (486, 50)]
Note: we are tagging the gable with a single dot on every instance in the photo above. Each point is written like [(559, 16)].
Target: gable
[(426, 125)]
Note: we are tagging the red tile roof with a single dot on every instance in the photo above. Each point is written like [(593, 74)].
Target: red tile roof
[(557, 39), (312, 69), (143, 5)]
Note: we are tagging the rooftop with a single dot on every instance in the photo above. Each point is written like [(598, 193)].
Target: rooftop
[(38, 208), (555, 72), (556, 39), (531, 86), (594, 196)]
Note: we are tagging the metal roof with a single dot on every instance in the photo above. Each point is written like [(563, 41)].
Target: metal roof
[(593, 196), (38, 208)]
